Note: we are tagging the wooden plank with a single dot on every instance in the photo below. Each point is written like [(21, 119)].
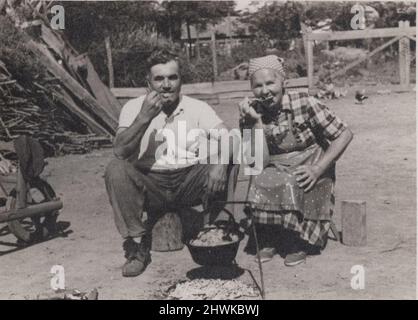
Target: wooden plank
[(367, 56), (361, 34), (207, 88), (65, 99), (354, 228), (297, 82), (76, 61), (100, 91), (73, 86), (230, 86), (53, 42), (128, 92), (412, 38)]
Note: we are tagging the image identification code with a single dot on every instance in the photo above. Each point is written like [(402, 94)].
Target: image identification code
[(209, 309)]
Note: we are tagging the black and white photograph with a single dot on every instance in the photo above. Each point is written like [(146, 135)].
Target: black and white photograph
[(232, 151)]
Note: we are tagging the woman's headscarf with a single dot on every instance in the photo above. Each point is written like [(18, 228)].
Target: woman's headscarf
[(267, 62)]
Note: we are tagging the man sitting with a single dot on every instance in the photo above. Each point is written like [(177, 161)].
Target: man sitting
[(157, 167)]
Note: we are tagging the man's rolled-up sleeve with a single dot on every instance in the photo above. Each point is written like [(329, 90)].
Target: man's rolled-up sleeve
[(129, 112)]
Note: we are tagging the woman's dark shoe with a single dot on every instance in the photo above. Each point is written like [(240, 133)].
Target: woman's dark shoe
[(297, 254), (293, 259), (137, 256)]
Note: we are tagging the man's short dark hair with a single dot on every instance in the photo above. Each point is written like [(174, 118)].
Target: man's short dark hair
[(161, 56)]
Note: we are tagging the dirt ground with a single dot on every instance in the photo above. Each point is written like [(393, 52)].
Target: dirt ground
[(379, 167)]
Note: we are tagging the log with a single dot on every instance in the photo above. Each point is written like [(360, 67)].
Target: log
[(354, 229), (167, 233)]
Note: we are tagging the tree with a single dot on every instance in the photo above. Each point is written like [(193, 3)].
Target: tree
[(278, 20), (199, 13), (90, 22)]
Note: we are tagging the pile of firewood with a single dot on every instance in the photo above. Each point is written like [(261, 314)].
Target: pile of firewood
[(69, 111), (38, 114)]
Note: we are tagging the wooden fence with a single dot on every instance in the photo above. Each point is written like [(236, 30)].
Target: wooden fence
[(404, 33), (212, 92)]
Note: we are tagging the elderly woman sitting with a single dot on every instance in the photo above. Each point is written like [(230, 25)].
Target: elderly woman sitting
[(302, 140)]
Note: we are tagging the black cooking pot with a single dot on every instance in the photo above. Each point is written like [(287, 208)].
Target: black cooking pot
[(222, 254)]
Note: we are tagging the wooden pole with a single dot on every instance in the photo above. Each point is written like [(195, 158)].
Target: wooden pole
[(401, 58), (22, 189), (109, 62), (189, 39), (310, 64), (354, 231), (197, 43), (229, 41), (31, 210), (214, 60), (407, 51), (308, 45)]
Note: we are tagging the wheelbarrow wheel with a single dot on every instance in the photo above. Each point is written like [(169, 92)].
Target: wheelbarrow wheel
[(39, 227)]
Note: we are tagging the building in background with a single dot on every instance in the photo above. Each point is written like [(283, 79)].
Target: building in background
[(229, 33)]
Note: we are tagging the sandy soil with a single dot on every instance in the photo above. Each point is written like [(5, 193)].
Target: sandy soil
[(379, 167)]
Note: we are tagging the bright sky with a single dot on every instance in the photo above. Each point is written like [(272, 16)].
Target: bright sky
[(242, 4)]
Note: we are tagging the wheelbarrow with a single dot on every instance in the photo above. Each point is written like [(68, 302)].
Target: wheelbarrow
[(32, 208)]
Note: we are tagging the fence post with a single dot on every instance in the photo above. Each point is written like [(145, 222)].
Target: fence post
[(308, 45), (109, 62), (403, 57), (310, 61), (197, 43), (213, 46), (407, 50)]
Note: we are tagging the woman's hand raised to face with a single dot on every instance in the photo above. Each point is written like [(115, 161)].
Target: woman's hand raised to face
[(247, 112)]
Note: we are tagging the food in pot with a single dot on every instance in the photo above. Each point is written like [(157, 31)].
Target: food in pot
[(214, 237)]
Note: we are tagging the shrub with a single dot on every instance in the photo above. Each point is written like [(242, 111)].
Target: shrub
[(20, 61)]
